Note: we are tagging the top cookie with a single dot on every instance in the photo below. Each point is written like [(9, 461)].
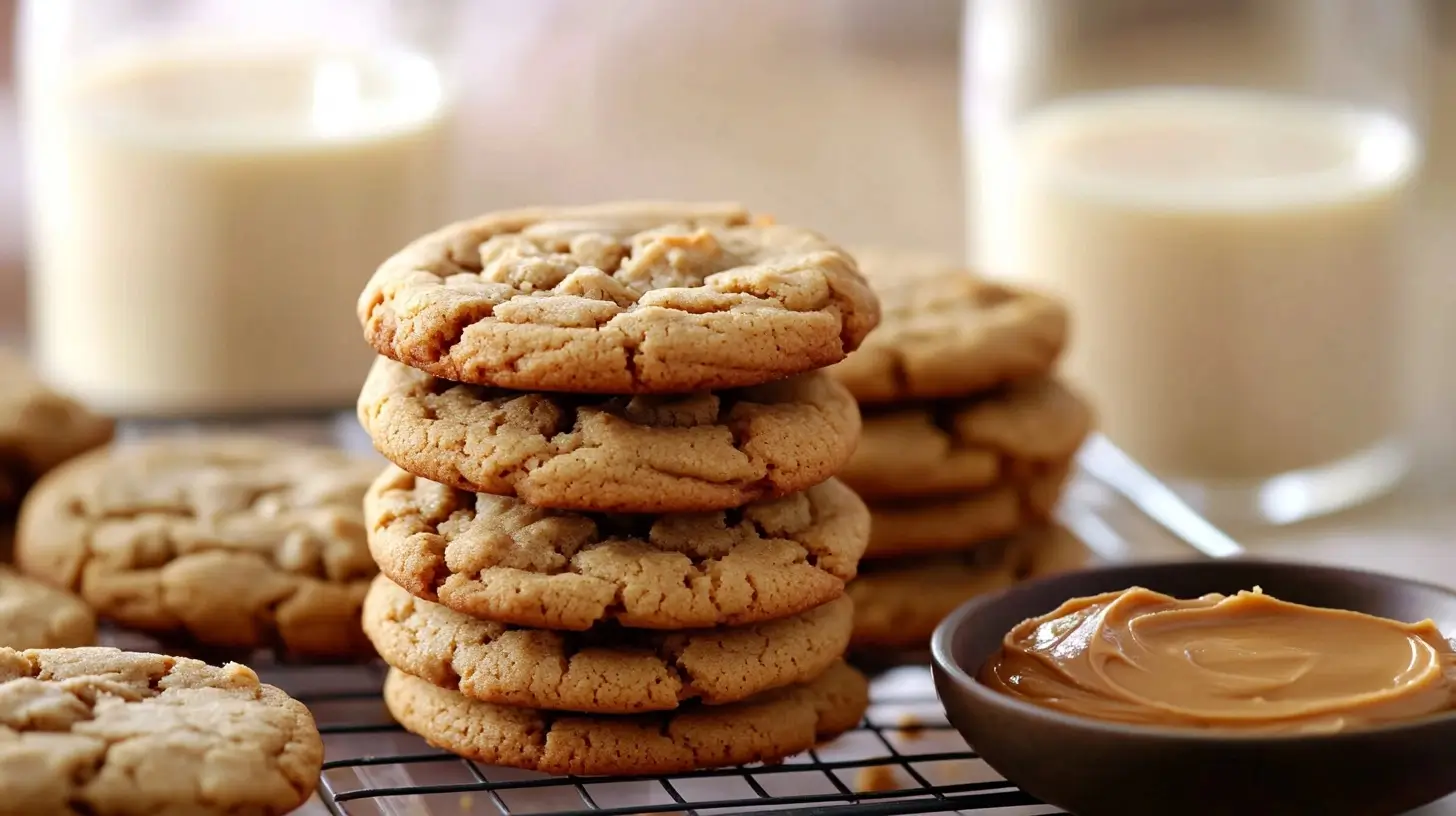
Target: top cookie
[(627, 298), (102, 731), (948, 333), (233, 541), (39, 428)]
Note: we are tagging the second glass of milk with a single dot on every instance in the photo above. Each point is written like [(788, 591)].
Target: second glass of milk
[(1218, 190), (211, 183)]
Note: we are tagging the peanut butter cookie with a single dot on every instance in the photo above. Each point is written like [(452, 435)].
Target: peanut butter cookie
[(957, 446), (230, 541), (898, 604), (946, 332), (39, 429), (34, 615), (643, 454), (959, 522), (628, 298), (504, 560), (100, 731), (605, 670), (765, 728)]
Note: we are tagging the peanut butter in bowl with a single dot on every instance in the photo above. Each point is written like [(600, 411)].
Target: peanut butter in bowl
[(1247, 662)]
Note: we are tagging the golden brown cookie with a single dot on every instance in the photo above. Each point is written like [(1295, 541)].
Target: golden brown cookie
[(644, 454), (229, 541), (1057, 550), (947, 333), (627, 298), (504, 560), (918, 526), (765, 728), (956, 446), (898, 604), (39, 429), (605, 670), (101, 731), (34, 615)]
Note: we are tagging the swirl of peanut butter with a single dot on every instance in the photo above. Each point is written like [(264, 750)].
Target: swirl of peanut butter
[(1247, 661)]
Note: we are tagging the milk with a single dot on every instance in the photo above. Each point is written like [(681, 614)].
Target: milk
[(204, 219), (1231, 262)]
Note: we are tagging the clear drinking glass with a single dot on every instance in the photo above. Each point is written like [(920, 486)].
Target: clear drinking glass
[(210, 184), (1219, 190)]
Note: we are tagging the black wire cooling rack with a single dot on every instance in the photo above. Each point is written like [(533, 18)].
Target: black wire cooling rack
[(904, 758)]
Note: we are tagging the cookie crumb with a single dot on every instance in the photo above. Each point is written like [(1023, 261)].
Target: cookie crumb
[(910, 727), (876, 778), (240, 674), (466, 801)]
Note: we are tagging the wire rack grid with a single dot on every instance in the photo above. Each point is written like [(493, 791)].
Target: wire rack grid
[(904, 758)]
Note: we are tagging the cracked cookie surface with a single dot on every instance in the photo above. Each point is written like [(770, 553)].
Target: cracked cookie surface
[(504, 560), (945, 332), (39, 429), (34, 615), (764, 728), (102, 732), (959, 522), (643, 454), (625, 298), (956, 446), (606, 670), (229, 541)]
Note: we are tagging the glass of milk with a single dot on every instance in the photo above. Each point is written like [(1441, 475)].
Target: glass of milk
[(211, 183), (1218, 189)]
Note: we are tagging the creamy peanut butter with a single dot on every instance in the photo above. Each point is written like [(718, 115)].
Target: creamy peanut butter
[(1246, 661)]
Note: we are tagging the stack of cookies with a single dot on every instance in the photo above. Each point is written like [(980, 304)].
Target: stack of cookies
[(967, 440), (609, 540)]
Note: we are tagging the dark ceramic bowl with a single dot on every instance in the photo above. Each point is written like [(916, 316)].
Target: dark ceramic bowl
[(1093, 768)]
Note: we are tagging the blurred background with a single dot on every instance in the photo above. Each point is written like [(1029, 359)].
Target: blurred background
[(870, 120), (842, 114)]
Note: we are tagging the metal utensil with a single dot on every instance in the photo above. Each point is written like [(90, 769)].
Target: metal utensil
[(1109, 464)]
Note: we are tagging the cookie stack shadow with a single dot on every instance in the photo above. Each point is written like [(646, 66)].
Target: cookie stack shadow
[(609, 539), (968, 439)]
